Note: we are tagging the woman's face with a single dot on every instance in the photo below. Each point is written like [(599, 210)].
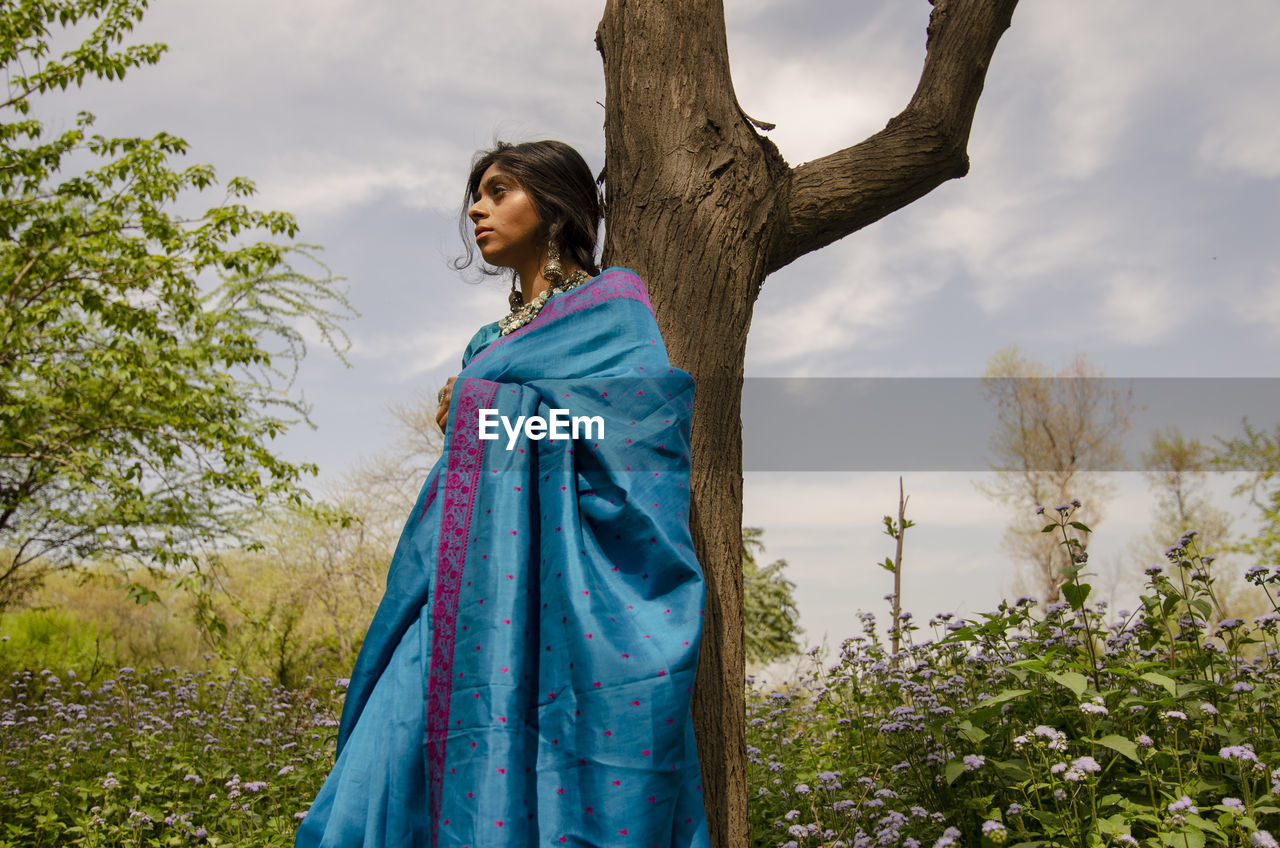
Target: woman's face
[(506, 221)]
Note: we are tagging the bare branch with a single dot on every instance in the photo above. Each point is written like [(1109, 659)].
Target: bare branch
[(917, 151)]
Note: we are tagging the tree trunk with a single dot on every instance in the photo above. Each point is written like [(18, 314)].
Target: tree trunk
[(703, 208)]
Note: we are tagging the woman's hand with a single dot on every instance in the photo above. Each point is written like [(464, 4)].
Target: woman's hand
[(442, 414)]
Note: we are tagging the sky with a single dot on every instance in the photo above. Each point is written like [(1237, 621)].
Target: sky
[(1125, 170)]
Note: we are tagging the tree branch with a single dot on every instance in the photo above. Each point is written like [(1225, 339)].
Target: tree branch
[(917, 151)]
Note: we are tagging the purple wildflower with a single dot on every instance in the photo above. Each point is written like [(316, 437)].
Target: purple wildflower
[(1243, 753), (948, 838), (1086, 764)]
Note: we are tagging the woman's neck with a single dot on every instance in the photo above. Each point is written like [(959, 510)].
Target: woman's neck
[(532, 280)]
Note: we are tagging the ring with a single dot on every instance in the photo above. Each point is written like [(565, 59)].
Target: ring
[(440, 394)]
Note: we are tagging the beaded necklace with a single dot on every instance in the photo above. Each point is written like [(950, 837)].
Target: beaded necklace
[(523, 315)]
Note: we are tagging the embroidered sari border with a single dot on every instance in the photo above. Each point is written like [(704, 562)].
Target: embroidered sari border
[(611, 284), (466, 457)]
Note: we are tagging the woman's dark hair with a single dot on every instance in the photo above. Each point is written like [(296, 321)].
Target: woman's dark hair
[(565, 196)]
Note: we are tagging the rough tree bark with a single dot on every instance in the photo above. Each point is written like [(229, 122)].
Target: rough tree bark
[(704, 208)]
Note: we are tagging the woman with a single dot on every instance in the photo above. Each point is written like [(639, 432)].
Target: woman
[(527, 678)]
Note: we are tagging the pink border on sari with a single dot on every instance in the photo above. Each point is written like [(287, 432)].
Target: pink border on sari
[(610, 285), (462, 476)]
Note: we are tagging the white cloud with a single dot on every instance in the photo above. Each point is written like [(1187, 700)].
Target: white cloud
[(827, 98), (1247, 140), (1092, 64), (1139, 309), (1261, 305), (436, 346), (869, 282), (326, 182)]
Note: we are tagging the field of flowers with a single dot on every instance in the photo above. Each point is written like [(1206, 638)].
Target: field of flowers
[(159, 757), (1071, 727), (1156, 726)]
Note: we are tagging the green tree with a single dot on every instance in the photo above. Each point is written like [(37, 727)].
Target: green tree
[(770, 616), (145, 356), (1257, 452), (1177, 471)]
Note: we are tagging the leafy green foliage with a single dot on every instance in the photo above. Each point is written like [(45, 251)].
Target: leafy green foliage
[(145, 356), (769, 613), (1258, 452)]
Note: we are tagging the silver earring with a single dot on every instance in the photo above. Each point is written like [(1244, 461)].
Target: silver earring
[(515, 298), (553, 270)]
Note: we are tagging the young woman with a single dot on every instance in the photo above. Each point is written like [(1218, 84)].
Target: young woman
[(528, 676)]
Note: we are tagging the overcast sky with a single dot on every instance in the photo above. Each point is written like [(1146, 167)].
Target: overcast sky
[(1125, 175)]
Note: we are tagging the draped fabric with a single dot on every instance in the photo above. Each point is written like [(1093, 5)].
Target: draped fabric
[(528, 676)]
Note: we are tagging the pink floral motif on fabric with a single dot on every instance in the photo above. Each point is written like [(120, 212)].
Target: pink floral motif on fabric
[(608, 286), (466, 455), (619, 283)]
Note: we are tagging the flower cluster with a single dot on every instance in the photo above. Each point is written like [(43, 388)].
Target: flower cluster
[(1051, 725)]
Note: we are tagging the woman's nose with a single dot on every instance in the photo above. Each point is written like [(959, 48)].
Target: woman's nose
[(475, 213)]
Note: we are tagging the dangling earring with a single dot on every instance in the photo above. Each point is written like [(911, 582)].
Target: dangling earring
[(515, 298), (553, 271)]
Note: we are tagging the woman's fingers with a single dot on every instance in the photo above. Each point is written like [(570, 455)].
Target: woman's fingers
[(442, 414)]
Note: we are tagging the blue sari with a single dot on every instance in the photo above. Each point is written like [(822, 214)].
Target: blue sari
[(528, 676)]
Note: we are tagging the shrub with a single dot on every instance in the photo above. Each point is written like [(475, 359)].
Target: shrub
[(1158, 727), (160, 757)]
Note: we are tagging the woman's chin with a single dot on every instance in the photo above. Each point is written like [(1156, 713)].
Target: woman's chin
[(493, 258)]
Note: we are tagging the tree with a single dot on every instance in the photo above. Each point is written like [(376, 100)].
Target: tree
[(705, 208), (770, 617), (303, 596), (1257, 453), (1177, 469), (1056, 434), (145, 356)]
